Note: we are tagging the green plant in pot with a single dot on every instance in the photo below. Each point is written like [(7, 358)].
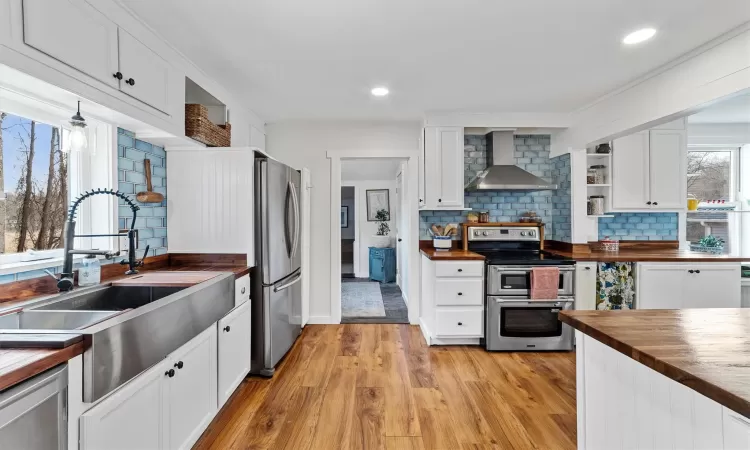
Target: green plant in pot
[(710, 244), (381, 238)]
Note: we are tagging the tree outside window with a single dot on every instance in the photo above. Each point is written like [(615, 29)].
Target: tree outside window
[(34, 179), (710, 175)]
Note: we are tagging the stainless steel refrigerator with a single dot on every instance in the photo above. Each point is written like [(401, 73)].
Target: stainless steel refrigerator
[(276, 287)]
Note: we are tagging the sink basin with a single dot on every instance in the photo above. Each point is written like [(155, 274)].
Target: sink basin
[(109, 298), (53, 320)]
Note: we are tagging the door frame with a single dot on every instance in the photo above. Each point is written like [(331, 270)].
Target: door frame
[(355, 249), (412, 158)]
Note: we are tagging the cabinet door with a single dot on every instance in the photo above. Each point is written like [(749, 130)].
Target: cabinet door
[(145, 74), (585, 286), (713, 286), (736, 431), (630, 172), (190, 395), (131, 418), (451, 166), (234, 350), (421, 169), (667, 171), (661, 287), (73, 33)]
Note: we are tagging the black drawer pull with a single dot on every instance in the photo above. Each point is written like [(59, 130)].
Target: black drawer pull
[(697, 271), (130, 81), (691, 271), (226, 328), (169, 373), (460, 293), (460, 323), (117, 75), (179, 365), (460, 270)]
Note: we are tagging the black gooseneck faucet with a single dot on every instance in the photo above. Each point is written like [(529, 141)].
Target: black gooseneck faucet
[(66, 280)]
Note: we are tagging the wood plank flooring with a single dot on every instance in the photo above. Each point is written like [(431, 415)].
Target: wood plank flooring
[(368, 386)]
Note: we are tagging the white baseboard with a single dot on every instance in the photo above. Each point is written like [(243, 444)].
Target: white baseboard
[(406, 299), (432, 340), (321, 320)]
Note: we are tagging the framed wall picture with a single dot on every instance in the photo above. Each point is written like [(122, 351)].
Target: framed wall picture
[(377, 199), (344, 217)]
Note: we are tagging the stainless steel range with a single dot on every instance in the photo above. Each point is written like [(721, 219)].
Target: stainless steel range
[(513, 320)]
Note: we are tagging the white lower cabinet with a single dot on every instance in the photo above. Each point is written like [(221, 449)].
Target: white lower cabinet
[(453, 301), (132, 417), (621, 403), (585, 283), (688, 285), (234, 350), (190, 395), (166, 407)]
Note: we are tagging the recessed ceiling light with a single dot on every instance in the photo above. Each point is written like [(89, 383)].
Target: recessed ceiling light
[(639, 36), (379, 91)]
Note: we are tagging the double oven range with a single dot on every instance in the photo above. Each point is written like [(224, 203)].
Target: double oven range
[(513, 321)]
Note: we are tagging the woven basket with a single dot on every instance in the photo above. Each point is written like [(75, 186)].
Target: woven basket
[(198, 127)]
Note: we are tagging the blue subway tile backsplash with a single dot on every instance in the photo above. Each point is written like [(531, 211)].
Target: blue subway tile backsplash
[(151, 218), (532, 154), (639, 226)]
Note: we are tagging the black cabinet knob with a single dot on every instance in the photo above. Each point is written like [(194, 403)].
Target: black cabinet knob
[(697, 271), (656, 203), (179, 365), (460, 323), (421, 201), (691, 271), (399, 239), (648, 203), (460, 293), (587, 268), (169, 373), (440, 200), (130, 81), (117, 75), (226, 328), (460, 270)]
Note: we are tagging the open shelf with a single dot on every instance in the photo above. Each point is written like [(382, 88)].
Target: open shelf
[(599, 155), (599, 185), (596, 216)]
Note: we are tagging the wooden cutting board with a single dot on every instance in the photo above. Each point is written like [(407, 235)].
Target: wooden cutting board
[(166, 279)]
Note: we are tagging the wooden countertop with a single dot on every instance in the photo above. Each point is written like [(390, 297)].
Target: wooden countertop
[(17, 365), (707, 350), (646, 255), (453, 254)]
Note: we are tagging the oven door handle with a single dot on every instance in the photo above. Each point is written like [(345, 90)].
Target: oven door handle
[(524, 270), (527, 301)]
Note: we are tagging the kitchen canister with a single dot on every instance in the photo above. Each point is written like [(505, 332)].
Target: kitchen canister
[(442, 242), (599, 172), (591, 176), (597, 205)]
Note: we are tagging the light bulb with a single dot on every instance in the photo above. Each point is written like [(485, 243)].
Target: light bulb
[(78, 140)]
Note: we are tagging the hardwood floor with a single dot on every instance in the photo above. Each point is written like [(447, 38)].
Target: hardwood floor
[(363, 386)]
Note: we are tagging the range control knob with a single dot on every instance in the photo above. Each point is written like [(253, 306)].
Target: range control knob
[(484, 233), (531, 233), (476, 233), (523, 233)]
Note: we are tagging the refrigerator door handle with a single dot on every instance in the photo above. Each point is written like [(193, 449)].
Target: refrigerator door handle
[(287, 237), (295, 245), (287, 285)]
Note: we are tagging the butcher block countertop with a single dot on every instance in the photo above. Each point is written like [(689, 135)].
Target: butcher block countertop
[(453, 254), (707, 350), (17, 365), (647, 255)]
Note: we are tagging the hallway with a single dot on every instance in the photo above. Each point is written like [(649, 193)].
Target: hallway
[(392, 301)]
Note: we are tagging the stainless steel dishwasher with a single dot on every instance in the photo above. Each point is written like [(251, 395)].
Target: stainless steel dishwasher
[(33, 414)]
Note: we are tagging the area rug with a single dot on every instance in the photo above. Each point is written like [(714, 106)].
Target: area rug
[(361, 300)]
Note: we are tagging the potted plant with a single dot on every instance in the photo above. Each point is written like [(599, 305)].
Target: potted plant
[(381, 238), (709, 244)]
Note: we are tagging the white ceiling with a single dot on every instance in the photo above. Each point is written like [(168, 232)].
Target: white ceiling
[(369, 169), (318, 59), (733, 110)]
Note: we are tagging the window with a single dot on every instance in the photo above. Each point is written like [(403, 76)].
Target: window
[(713, 175), (39, 180)]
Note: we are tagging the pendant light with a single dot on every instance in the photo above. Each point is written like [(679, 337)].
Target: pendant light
[(78, 141)]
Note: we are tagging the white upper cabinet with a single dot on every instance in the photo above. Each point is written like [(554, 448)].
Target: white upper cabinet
[(421, 170), (649, 171), (74, 33), (444, 168), (630, 174), (668, 169), (144, 74)]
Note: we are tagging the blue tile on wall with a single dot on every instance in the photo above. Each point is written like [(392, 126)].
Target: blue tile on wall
[(135, 155), (143, 146), (125, 140)]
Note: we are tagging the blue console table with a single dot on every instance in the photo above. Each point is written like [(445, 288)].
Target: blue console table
[(383, 264)]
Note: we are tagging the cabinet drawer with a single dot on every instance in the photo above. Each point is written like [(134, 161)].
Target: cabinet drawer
[(234, 350), (241, 290), (459, 322), (459, 292), (459, 269)]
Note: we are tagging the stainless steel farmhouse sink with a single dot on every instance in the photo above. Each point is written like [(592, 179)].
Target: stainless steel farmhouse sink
[(125, 329)]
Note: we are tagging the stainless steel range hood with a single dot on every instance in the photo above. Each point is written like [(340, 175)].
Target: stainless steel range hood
[(501, 172)]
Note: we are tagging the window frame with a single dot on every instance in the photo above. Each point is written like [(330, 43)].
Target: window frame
[(99, 170), (734, 180)]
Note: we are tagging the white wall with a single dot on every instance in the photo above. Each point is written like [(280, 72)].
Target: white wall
[(366, 230), (304, 144), (718, 134)]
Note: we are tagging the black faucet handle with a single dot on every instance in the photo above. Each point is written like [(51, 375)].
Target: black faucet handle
[(145, 254)]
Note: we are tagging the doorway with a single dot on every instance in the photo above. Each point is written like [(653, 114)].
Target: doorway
[(371, 201)]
